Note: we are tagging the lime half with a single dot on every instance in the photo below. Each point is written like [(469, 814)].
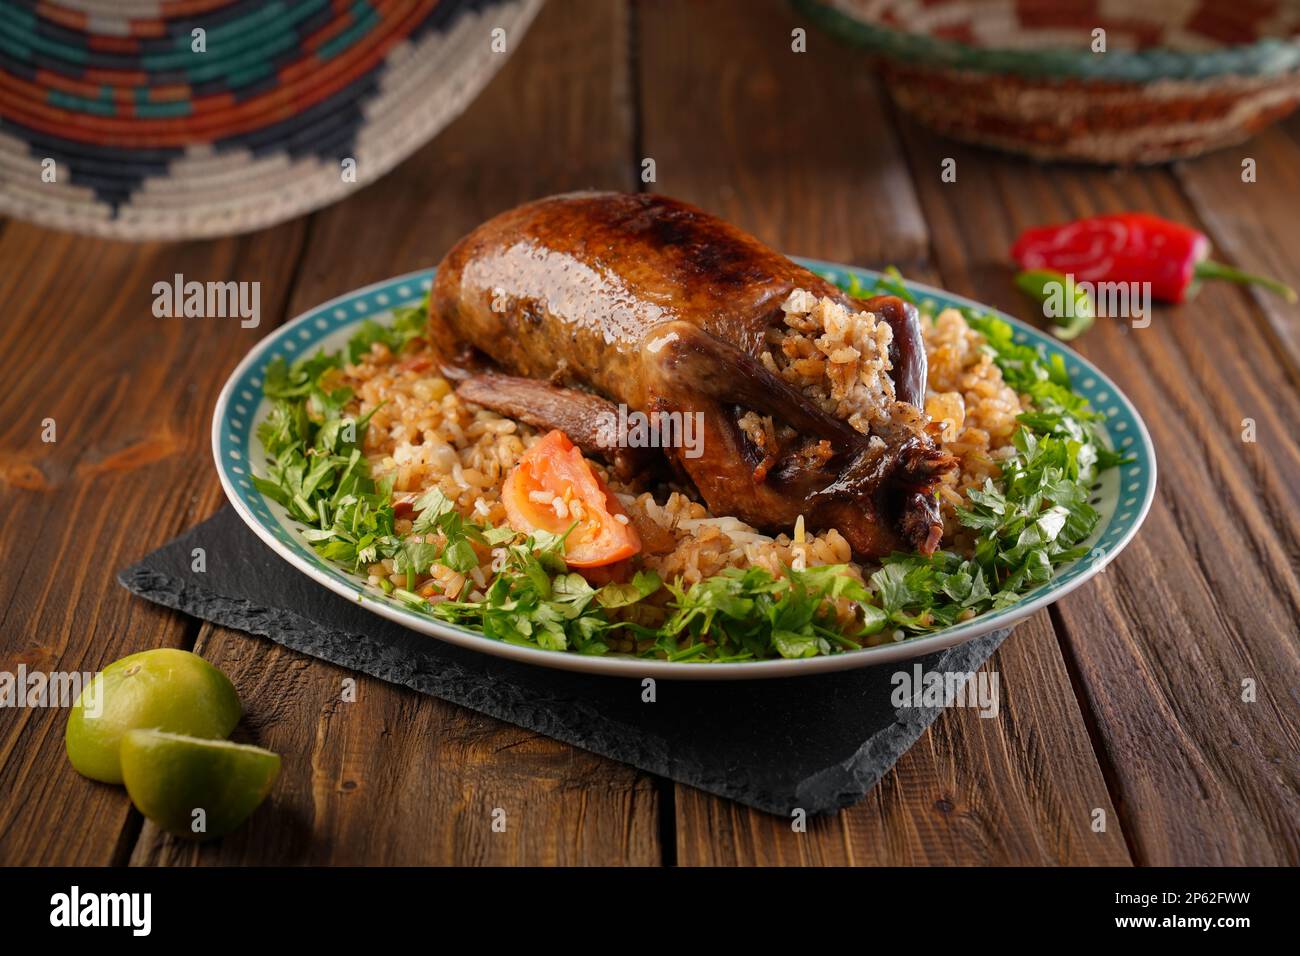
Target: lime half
[(195, 787), (165, 689)]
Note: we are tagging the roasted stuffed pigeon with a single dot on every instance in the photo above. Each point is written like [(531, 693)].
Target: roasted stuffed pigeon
[(808, 400)]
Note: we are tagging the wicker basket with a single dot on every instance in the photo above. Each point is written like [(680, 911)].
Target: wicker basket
[(143, 135), (1176, 77)]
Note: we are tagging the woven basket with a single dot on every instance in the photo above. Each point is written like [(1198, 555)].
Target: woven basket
[(1176, 78), (113, 123)]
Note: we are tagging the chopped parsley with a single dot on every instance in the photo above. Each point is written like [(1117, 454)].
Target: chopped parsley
[(1033, 520)]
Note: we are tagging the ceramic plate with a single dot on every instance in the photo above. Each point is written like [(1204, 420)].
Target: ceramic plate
[(1123, 495)]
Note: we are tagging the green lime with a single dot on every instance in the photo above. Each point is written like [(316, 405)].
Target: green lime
[(193, 787), (163, 689)]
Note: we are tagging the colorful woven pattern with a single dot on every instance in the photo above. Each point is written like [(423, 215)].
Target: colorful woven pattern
[(183, 118), (1109, 81)]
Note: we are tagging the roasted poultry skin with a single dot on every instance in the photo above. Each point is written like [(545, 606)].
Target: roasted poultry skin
[(555, 311)]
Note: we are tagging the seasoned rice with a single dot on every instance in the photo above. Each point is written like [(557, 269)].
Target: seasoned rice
[(425, 436), (976, 410), (837, 358)]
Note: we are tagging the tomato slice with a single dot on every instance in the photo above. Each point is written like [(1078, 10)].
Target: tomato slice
[(554, 469)]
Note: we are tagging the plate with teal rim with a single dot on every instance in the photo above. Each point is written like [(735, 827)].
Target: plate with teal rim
[(1122, 495)]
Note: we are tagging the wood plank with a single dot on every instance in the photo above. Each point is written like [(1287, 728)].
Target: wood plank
[(1254, 224), (131, 396), (1208, 595), (397, 777), (1017, 789), (736, 120), (799, 149)]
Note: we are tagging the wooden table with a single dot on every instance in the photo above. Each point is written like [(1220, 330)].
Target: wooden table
[(1124, 698)]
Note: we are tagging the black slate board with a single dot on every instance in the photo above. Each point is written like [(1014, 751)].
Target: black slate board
[(818, 743)]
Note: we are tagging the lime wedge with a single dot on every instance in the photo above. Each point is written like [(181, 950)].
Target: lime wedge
[(193, 787), (164, 689)]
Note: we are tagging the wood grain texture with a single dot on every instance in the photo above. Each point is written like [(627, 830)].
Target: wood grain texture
[(1126, 698), (397, 777), (1207, 596), (739, 123), (1020, 788), (131, 397), (1255, 222), (798, 148)]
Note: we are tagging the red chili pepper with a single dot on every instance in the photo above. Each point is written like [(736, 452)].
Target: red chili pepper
[(1132, 247)]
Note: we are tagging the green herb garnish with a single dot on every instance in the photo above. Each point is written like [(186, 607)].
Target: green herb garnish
[(1033, 520)]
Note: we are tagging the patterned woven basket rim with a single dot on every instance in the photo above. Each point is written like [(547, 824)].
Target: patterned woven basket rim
[(224, 184), (1268, 57)]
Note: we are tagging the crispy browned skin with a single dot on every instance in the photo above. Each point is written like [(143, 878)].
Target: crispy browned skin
[(650, 302)]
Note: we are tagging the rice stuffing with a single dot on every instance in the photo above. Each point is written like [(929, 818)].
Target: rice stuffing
[(424, 436)]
